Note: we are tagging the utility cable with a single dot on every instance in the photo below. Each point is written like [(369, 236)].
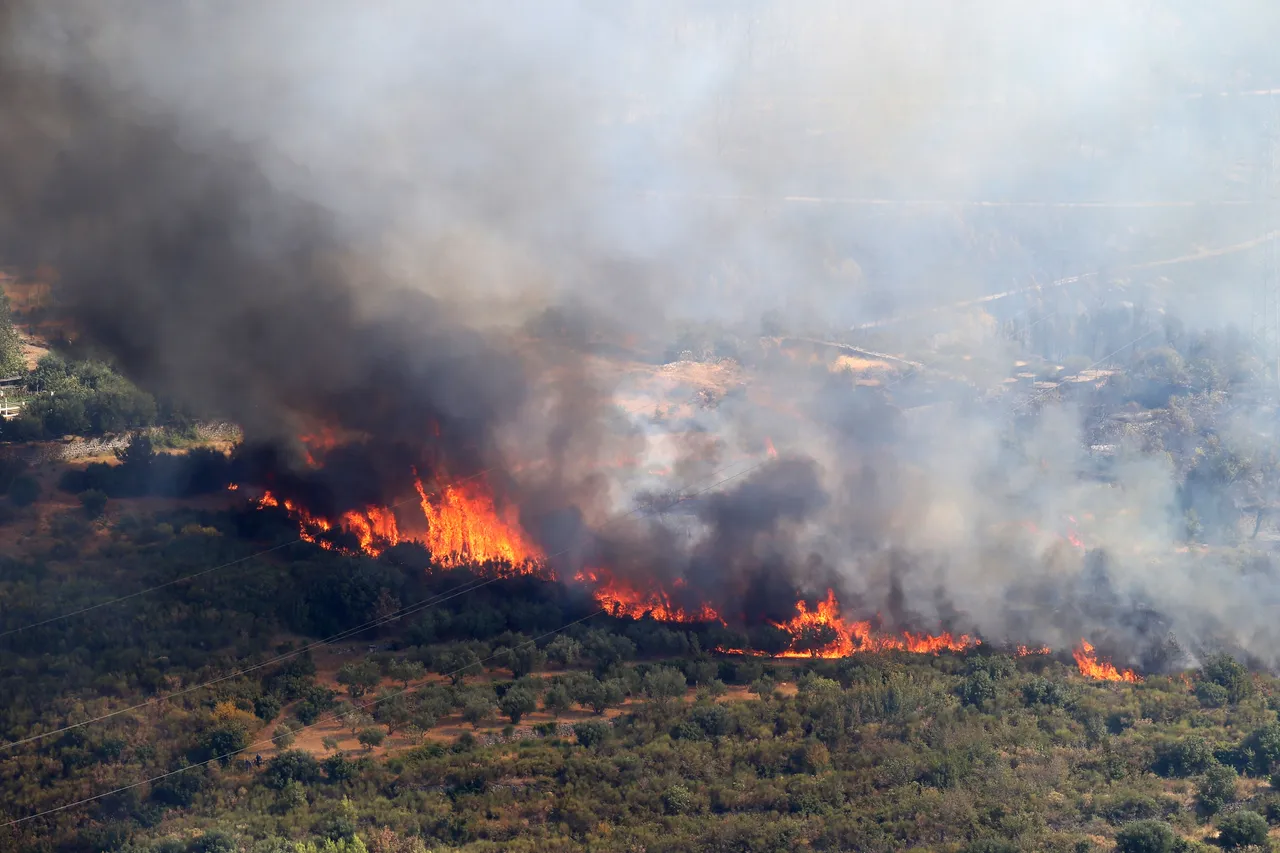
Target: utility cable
[(228, 755), (430, 601), (198, 574)]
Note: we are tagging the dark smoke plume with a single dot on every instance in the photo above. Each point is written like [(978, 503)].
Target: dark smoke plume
[(456, 233)]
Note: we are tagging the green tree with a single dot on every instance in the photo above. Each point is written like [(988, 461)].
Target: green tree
[(1230, 674), (517, 702), (477, 709), (564, 650), (285, 734), (24, 491), (523, 658), (405, 671), (93, 502), (557, 700), (371, 737), (1242, 829), (12, 361), (590, 733), (1146, 836), (1216, 788), (359, 677), (977, 688), (664, 684)]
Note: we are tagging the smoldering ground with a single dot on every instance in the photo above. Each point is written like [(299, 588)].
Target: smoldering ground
[(396, 218)]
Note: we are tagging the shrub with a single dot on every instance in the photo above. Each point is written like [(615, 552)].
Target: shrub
[(1230, 674), (371, 737), (93, 502), (590, 732), (977, 688), (1189, 756), (1242, 829), (1146, 836), (289, 766), (24, 491), (1216, 788), (517, 702), (1212, 694)]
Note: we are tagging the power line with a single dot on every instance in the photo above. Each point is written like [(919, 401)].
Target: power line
[(460, 670), (269, 740), (408, 610), (198, 574)]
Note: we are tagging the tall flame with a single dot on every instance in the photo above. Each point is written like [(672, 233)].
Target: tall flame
[(1091, 667), (852, 637), (464, 527)]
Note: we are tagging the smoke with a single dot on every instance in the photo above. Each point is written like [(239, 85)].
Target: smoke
[(460, 230)]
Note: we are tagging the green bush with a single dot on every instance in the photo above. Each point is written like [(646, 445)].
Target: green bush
[(1146, 836), (24, 491), (1216, 788), (1242, 829)]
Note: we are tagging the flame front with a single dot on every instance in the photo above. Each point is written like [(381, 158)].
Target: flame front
[(465, 527), (844, 638), (1026, 651), (621, 599), (1091, 667)]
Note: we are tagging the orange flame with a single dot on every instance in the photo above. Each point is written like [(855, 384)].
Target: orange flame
[(769, 448), (1091, 667), (621, 599), (1026, 651), (318, 443), (852, 637), (231, 487), (465, 527), (376, 529)]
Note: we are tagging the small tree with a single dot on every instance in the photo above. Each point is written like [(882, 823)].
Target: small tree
[(330, 743), (557, 700), (371, 737), (1242, 829), (1228, 672), (1146, 836), (93, 502), (477, 709), (405, 671), (517, 702), (564, 650), (1216, 788), (359, 677), (664, 684), (589, 733), (286, 733), (24, 491)]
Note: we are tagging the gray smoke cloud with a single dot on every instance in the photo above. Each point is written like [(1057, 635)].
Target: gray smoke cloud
[(400, 215)]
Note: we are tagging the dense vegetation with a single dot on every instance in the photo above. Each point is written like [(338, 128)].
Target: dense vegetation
[(514, 716), (661, 745)]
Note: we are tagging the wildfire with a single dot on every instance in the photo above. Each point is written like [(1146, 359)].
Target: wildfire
[(1091, 667), (376, 529), (462, 527), (621, 599), (769, 448), (465, 527), (1027, 651), (844, 638), (318, 443), (309, 526)]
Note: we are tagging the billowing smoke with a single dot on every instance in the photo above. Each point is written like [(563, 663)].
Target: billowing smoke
[(461, 235)]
